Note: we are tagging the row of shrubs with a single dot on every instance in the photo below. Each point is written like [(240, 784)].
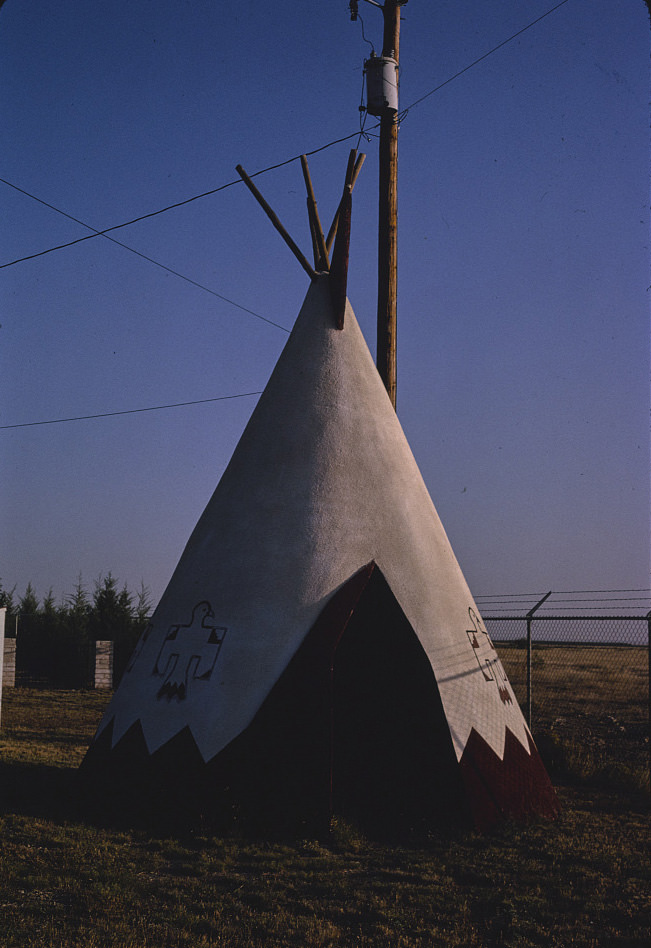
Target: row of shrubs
[(55, 644)]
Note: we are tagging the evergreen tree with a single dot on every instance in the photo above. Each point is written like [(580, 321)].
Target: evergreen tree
[(143, 607), (56, 651), (76, 630), (35, 650), (111, 611), (49, 606), (78, 604), (77, 613), (28, 604)]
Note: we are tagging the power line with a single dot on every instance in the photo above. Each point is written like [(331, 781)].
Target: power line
[(196, 197), (606, 599), (481, 59), (129, 411), (280, 164), (138, 253), (162, 210), (572, 592), (99, 233), (562, 592), (508, 596), (201, 286)]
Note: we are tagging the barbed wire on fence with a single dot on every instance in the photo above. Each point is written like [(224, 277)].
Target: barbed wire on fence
[(624, 602)]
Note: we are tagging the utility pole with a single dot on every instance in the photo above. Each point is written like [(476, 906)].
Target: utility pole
[(382, 100), (388, 216)]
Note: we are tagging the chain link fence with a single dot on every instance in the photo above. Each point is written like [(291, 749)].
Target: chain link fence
[(582, 679)]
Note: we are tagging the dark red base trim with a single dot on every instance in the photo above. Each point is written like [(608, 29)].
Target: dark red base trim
[(516, 787)]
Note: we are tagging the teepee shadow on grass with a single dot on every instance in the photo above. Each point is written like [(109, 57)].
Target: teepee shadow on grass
[(39, 790)]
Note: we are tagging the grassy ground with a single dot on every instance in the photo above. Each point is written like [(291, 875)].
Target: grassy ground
[(580, 881), (590, 707), (588, 679)]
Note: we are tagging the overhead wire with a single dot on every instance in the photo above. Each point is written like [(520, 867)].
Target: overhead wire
[(513, 605), (104, 233), (363, 115), (107, 230), (364, 36), (280, 164), (162, 210), (403, 114), (573, 592), (144, 256), (507, 597), (130, 411)]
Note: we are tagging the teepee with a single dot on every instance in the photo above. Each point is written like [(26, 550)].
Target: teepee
[(317, 649)]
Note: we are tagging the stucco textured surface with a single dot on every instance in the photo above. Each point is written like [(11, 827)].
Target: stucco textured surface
[(322, 482)]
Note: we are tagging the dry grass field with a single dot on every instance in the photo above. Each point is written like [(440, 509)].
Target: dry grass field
[(591, 700), (582, 880), (587, 678)]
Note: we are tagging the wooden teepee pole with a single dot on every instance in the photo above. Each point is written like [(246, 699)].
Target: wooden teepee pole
[(273, 217), (321, 260), (355, 163)]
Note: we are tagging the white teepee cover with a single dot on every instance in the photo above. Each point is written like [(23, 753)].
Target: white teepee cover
[(322, 482)]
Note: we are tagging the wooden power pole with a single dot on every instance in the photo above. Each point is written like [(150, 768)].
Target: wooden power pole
[(388, 216)]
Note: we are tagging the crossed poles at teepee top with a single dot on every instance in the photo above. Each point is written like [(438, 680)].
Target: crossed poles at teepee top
[(321, 245)]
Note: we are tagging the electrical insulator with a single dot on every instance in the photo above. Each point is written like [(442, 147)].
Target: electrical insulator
[(381, 84)]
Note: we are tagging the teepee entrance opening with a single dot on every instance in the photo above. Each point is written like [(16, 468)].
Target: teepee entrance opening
[(392, 762), (353, 728)]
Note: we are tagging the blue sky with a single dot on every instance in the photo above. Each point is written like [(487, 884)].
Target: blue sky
[(523, 301)]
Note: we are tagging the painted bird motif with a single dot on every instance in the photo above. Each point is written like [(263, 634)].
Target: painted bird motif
[(189, 652)]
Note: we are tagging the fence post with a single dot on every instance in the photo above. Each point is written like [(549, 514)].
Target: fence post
[(104, 664), (529, 618)]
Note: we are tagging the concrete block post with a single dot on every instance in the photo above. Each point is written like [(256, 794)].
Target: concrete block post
[(104, 664), (9, 666)]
